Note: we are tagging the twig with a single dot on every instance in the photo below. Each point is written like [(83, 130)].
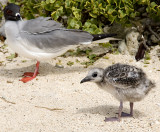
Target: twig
[(150, 29), (51, 109), (7, 100), (144, 43)]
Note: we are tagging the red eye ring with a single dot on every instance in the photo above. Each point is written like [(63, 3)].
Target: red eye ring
[(9, 12)]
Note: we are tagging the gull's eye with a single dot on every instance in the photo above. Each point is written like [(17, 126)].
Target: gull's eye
[(94, 75), (9, 12)]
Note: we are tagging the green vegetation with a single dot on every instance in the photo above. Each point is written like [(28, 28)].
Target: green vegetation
[(89, 15), (92, 58), (23, 61), (1, 13), (78, 52), (70, 63), (147, 58), (11, 57)]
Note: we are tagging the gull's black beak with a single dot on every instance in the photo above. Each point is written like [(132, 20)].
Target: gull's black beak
[(18, 16), (86, 79)]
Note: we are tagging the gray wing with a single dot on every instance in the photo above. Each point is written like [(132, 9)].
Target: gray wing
[(124, 76), (39, 25), (50, 36)]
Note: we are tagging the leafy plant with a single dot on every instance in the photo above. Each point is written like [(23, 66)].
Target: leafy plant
[(11, 57), (70, 63), (23, 61), (154, 10), (1, 12), (147, 56), (92, 59), (88, 15), (78, 52)]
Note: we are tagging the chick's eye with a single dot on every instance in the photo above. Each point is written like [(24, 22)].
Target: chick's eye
[(9, 12), (94, 75)]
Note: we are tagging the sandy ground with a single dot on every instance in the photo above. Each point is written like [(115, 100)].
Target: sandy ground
[(56, 101)]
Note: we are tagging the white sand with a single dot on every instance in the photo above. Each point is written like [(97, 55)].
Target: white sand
[(31, 107)]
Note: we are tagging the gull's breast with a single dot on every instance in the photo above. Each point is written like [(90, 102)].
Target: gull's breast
[(21, 46)]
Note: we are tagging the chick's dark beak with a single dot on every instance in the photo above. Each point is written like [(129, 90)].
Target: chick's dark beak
[(86, 79)]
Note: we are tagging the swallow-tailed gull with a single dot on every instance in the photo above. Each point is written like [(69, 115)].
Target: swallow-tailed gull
[(41, 38), (124, 82)]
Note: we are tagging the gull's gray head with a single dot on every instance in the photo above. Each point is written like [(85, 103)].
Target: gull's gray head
[(94, 75), (12, 12)]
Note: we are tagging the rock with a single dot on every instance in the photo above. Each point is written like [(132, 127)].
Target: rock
[(106, 29), (130, 34), (59, 66), (122, 48), (158, 52), (154, 39), (132, 42), (117, 29)]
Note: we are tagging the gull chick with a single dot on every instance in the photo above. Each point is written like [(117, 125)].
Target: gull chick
[(124, 82), (41, 38)]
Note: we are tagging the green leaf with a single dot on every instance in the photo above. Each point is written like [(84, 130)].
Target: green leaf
[(111, 10), (95, 11), (147, 56), (112, 18), (23, 61), (11, 57), (56, 14), (57, 4), (133, 14), (76, 13), (77, 61), (106, 45), (11, 1), (47, 1), (74, 23), (29, 15), (87, 4), (153, 5), (110, 1), (87, 24), (67, 3), (52, 1), (121, 13), (92, 56), (128, 10), (92, 15), (70, 63)]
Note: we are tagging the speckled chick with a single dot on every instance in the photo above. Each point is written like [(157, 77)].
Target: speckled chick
[(124, 82)]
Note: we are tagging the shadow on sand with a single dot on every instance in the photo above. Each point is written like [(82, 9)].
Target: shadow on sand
[(45, 69), (109, 111)]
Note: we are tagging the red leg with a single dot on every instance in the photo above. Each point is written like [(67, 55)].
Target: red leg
[(31, 75)]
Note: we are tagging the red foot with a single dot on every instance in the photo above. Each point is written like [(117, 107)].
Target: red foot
[(27, 79), (29, 74)]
